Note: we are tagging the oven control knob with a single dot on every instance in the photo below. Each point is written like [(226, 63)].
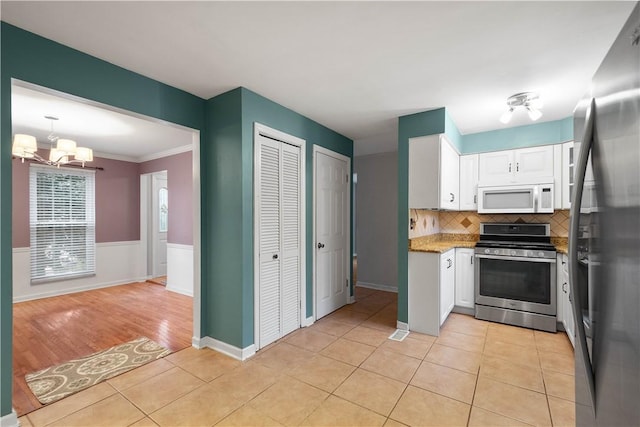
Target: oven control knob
[(513, 253), (487, 251), (540, 254), (529, 253), (496, 252)]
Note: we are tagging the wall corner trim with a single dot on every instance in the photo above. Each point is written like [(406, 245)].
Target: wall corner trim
[(307, 322), (10, 420), (222, 347)]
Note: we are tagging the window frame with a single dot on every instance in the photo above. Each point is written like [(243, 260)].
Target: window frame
[(79, 213)]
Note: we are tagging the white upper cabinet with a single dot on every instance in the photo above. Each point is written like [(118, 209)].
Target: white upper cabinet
[(469, 182), (433, 173), (449, 176), (568, 170), (522, 166)]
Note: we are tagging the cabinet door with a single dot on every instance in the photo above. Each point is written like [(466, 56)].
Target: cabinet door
[(464, 281), (568, 156), (449, 176), (569, 319), (469, 182), (496, 168), (534, 165), (560, 290), (447, 284)]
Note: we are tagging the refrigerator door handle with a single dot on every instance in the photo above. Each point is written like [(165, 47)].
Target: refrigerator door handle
[(581, 167)]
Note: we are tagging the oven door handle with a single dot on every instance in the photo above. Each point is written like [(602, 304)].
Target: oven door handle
[(514, 258)]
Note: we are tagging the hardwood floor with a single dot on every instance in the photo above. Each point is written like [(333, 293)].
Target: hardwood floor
[(53, 330)]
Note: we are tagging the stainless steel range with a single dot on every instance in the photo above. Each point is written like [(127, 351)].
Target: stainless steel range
[(515, 275)]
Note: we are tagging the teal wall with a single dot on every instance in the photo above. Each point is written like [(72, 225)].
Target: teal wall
[(226, 125), (451, 130), (231, 257), (222, 261), (28, 57), (520, 136)]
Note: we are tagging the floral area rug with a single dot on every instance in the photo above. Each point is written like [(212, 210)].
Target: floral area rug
[(56, 382)]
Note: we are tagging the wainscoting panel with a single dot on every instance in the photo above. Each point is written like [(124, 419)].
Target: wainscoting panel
[(117, 263), (180, 268)]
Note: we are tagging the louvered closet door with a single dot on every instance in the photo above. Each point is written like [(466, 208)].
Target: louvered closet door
[(280, 251), (291, 250)]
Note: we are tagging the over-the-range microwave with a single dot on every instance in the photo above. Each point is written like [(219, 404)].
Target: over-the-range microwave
[(527, 198)]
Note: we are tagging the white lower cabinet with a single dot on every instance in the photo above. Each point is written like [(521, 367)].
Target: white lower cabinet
[(465, 285), (564, 300), (431, 290), (447, 283)]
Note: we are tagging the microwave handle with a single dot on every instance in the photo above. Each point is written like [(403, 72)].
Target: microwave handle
[(536, 201)]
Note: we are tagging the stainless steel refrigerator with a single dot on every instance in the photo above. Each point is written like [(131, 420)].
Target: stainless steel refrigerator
[(604, 239)]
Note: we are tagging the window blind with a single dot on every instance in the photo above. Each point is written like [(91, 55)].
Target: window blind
[(62, 223)]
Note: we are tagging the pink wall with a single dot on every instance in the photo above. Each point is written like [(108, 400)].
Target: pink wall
[(179, 169), (118, 199)]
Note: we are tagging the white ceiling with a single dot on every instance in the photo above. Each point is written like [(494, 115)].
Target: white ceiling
[(109, 133), (352, 66)]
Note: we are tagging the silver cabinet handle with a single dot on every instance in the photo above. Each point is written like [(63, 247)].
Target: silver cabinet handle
[(517, 167), (452, 197), (509, 166), (275, 256), (449, 263), (564, 288), (320, 245), (475, 199)]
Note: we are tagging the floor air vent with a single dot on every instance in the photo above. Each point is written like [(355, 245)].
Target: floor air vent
[(399, 335)]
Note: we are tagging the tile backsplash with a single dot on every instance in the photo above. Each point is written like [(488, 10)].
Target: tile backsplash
[(434, 222)]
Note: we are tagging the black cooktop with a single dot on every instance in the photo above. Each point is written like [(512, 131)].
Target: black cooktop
[(541, 246), (515, 236)]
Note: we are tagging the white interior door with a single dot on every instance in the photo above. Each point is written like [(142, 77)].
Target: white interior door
[(332, 231), (159, 222), (279, 207)]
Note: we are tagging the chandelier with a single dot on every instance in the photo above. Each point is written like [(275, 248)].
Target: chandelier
[(65, 151), (529, 100)]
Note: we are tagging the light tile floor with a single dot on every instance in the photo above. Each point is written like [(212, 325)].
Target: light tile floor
[(344, 371)]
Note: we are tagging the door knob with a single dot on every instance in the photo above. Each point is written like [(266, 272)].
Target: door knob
[(320, 245)]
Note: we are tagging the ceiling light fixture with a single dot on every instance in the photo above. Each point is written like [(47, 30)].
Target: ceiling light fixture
[(529, 100), (65, 151)]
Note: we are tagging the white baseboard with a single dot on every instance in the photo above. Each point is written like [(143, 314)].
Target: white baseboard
[(307, 322), (9, 420), (352, 299), (180, 291), (402, 326), (222, 347), (387, 288), (54, 293)]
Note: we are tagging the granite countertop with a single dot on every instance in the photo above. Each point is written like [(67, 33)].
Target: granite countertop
[(440, 243), (561, 244)]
